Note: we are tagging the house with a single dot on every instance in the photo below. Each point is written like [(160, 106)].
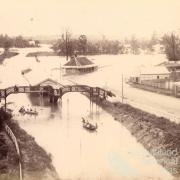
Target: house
[(174, 69), (154, 73), (32, 43), (79, 65), (34, 78), (49, 82)]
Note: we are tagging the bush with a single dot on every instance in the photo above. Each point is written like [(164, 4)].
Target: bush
[(4, 116)]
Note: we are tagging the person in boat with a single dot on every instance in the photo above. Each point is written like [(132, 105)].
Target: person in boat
[(88, 125), (83, 120), (22, 109)]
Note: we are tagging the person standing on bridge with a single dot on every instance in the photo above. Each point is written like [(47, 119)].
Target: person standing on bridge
[(15, 88)]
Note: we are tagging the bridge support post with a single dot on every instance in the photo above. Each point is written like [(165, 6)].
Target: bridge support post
[(50, 99), (53, 99), (60, 99), (5, 104)]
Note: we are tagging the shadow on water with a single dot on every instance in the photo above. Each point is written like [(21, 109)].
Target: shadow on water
[(37, 100)]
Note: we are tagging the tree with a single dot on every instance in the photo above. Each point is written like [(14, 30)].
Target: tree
[(37, 43), (172, 46), (134, 45), (153, 41), (66, 45), (7, 45), (82, 44)]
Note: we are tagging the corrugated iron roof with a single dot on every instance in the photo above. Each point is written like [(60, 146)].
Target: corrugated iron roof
[(78, 61), (155, 70)]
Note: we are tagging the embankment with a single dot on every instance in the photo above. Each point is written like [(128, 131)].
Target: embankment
[(36, 163), (8, 158), (158, 135)]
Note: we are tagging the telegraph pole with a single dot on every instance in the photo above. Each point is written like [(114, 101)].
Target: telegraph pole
[(122, 85), (60, 72), (67, 45)]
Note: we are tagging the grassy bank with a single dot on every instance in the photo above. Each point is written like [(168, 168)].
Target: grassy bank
[(158, 135), (8, 159), (7, 54), (36, 163), (8, 155)]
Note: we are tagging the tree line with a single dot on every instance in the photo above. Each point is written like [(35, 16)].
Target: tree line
[(69, 45), (168, 44), (7, 42), (81, 45)]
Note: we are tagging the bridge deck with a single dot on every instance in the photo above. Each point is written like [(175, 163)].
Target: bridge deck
[(95, 91)]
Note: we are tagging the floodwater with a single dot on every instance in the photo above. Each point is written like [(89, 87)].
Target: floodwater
[(111, 152)]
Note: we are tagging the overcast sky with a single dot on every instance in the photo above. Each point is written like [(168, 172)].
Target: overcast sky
[(112, 18)]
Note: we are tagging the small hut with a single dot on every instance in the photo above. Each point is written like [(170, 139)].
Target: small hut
[(79, 65)]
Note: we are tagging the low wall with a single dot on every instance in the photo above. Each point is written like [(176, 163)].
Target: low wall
[(14, 140), (159, 86), (168, 92)]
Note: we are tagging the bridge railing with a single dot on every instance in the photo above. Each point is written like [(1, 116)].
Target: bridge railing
[(2, 93), (56, 92)]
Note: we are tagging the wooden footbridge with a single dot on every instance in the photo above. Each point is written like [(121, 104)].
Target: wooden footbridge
[(55, 94)]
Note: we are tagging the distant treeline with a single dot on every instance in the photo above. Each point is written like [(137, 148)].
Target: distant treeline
[(82, 45), (168, 44), (87, 47), (7, 42)]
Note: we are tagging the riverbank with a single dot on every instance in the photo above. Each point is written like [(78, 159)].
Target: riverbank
[(8, 158), (7, 54), (36, 163), (158, 135)]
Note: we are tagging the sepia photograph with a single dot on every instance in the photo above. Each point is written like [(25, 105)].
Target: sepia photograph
[(89, 90)]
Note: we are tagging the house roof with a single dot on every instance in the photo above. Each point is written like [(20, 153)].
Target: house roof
[(50, 82), (173, 64), (35, 78), (154, 70), (78, 61)]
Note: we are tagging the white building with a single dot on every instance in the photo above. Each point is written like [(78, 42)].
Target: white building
[(154, 73)]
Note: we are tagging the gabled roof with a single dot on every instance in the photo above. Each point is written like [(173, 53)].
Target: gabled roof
[(78, 61), (154, 70), (173, 64), (35, 78), (50, 82)]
